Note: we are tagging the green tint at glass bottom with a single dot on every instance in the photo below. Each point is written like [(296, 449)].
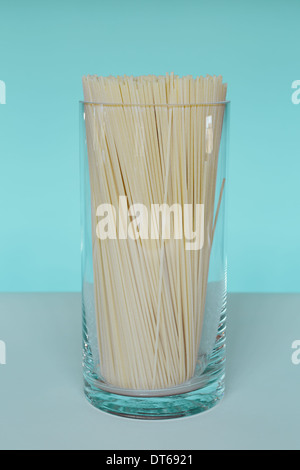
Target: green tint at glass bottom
[(172, 406)]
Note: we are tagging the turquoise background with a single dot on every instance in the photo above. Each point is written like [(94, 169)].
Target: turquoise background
[(45, 48)]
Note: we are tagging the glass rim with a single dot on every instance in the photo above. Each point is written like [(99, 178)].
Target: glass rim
[(152, 105)]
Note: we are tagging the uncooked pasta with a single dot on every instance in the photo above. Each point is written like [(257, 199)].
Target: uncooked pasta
[(153, 143)]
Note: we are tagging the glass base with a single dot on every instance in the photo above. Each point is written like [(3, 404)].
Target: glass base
[(200, 394), (159, 407)]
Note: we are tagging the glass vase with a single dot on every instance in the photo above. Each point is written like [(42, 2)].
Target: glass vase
[(153, 218)]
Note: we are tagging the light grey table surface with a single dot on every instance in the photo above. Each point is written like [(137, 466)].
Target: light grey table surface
[(42, 405)]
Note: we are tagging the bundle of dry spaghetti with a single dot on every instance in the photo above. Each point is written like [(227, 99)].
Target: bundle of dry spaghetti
[(150, 141)]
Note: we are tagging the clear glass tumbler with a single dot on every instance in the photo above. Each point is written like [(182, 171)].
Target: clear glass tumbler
[(153, 203)]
